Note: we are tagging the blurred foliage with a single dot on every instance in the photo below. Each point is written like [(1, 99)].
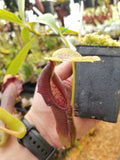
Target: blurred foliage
[(11, 43), (98, 15), (101, 2), (103, 19)]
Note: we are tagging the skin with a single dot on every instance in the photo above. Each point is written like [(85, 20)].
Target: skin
[(42, 117)]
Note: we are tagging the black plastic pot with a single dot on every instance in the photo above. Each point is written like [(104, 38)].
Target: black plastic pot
[(97, 89), (48, 7), (89, 3), (29, 87)]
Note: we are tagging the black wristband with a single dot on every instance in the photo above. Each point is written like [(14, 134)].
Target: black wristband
[(35, 143)]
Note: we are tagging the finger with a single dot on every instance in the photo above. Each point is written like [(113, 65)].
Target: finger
[(68, 86), (68, 82), (64, 70)]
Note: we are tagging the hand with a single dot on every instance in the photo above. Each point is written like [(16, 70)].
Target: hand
[(42, 117)]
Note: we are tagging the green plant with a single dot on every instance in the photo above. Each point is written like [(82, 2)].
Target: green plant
[(100, 2), (10, 45), (30, 35), (96, 39), (78, 145)]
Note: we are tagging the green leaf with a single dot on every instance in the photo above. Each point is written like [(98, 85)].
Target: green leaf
[(8, 16), (19, 59), (31, 25), (48, 19), (25, 33), (21, 6)]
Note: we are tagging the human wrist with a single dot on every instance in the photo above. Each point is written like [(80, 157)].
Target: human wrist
[(46, 130)]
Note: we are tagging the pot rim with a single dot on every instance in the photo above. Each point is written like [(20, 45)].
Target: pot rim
[(107, 51)]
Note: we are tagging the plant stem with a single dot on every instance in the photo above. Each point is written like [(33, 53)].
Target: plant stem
[(73, 85), (81, 20), (65, 40), (17, 32), (73, 67)]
